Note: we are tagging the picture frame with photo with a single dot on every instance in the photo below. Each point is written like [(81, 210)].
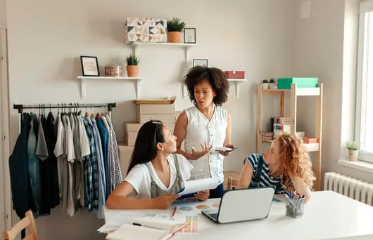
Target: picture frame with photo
[(89, 66), (190, 35), (200, 62)]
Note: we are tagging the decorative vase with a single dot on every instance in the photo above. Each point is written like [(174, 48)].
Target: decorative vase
[(353, 154), (132, 70), (174, 37)]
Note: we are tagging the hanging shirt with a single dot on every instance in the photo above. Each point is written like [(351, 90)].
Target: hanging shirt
[(61, 159), (18, 169), (200, 130), (45, 173), (116, 174), (33, 168), (51, 137), (85, 151), (101, 171), (91, 171)]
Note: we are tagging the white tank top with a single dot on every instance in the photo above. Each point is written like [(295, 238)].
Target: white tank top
[(200, 130)]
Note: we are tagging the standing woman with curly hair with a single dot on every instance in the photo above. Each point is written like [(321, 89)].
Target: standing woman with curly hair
[(205, 126), (285, 166)]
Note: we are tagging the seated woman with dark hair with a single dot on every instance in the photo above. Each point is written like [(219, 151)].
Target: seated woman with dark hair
[(156, 173)]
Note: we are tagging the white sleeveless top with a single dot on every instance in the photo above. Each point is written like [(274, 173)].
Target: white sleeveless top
[(200, 130)]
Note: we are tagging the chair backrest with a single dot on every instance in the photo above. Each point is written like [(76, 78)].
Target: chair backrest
[(27, 222)]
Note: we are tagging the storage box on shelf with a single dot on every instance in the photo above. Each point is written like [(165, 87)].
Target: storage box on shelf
[(285, 83), (146, 30), (235, 74), (295, 92)]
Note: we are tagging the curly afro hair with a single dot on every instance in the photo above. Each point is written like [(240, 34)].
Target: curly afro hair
[(214, 76)]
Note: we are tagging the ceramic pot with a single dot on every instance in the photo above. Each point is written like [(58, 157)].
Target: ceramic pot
[(132, 70)]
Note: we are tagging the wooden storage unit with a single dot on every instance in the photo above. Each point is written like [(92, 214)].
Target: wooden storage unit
[(294, 94)]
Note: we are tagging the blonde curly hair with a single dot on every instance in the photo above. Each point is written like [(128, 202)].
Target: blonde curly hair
[(296, 161)]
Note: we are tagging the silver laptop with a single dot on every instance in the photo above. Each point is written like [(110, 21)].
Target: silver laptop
[(242, 205)]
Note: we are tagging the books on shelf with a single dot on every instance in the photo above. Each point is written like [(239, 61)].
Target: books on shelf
[(267, 136), (147, 228)]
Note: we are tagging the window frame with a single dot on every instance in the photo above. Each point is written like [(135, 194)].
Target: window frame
[(364, 7)]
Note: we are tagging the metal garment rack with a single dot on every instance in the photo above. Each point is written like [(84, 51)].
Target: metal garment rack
[(62, 106), (20, 107)]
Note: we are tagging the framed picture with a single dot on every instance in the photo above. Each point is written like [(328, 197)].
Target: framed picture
[(200, 62), (189, 35), (89, 66)]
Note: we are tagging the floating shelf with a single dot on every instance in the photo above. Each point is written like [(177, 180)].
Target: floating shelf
[(187, 46), (236, 83), (137, 81)]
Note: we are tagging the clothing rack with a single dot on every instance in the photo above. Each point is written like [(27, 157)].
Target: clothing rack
[(20, 107)]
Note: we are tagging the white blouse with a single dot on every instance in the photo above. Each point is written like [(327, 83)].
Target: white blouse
[(200, 130)]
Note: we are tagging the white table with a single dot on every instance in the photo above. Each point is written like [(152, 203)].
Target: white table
[(328, 215)]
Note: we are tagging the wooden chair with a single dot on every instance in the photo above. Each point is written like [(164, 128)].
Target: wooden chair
[(231, 179), (27, 222)]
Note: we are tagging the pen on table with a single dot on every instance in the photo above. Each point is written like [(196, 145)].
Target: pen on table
[(173, 212)]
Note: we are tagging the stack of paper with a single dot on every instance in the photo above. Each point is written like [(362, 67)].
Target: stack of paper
[(147, 228)]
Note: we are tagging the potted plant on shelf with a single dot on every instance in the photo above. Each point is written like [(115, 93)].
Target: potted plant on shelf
[(272, 84), (174, 28), (132, 66), (265, 84), (353, 150)]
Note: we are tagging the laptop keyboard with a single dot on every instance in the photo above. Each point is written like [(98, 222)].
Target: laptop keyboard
[(214, 216)]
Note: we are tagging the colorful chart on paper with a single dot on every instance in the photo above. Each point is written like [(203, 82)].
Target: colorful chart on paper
[(192, 226), (193, 207)]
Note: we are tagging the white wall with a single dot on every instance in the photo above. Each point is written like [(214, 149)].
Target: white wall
[(46, 38), (326, 48), (2, 13)]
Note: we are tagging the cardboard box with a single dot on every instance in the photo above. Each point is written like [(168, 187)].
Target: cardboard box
[(146, 30), (125, 153), (130, 138), (165, 118), (155, 108), (132, 127), (235, 74), (285, 83)]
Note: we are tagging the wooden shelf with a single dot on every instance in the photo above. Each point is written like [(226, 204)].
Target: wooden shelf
[(82, 79), (294, 94)]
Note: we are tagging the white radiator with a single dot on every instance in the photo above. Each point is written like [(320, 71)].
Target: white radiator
[(350, 187)]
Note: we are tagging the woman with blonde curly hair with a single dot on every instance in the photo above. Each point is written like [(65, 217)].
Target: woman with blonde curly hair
[(285, 166)]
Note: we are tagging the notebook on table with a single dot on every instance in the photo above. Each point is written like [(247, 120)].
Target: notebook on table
[(147, 228), (242, 205)]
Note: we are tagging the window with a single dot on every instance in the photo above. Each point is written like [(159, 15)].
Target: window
[(364, 96)]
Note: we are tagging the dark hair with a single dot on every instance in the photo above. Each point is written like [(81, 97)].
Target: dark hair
[(146, 143), (216, 78)]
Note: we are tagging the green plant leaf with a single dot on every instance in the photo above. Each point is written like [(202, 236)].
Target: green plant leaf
[(132, 60), (175, 25)]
